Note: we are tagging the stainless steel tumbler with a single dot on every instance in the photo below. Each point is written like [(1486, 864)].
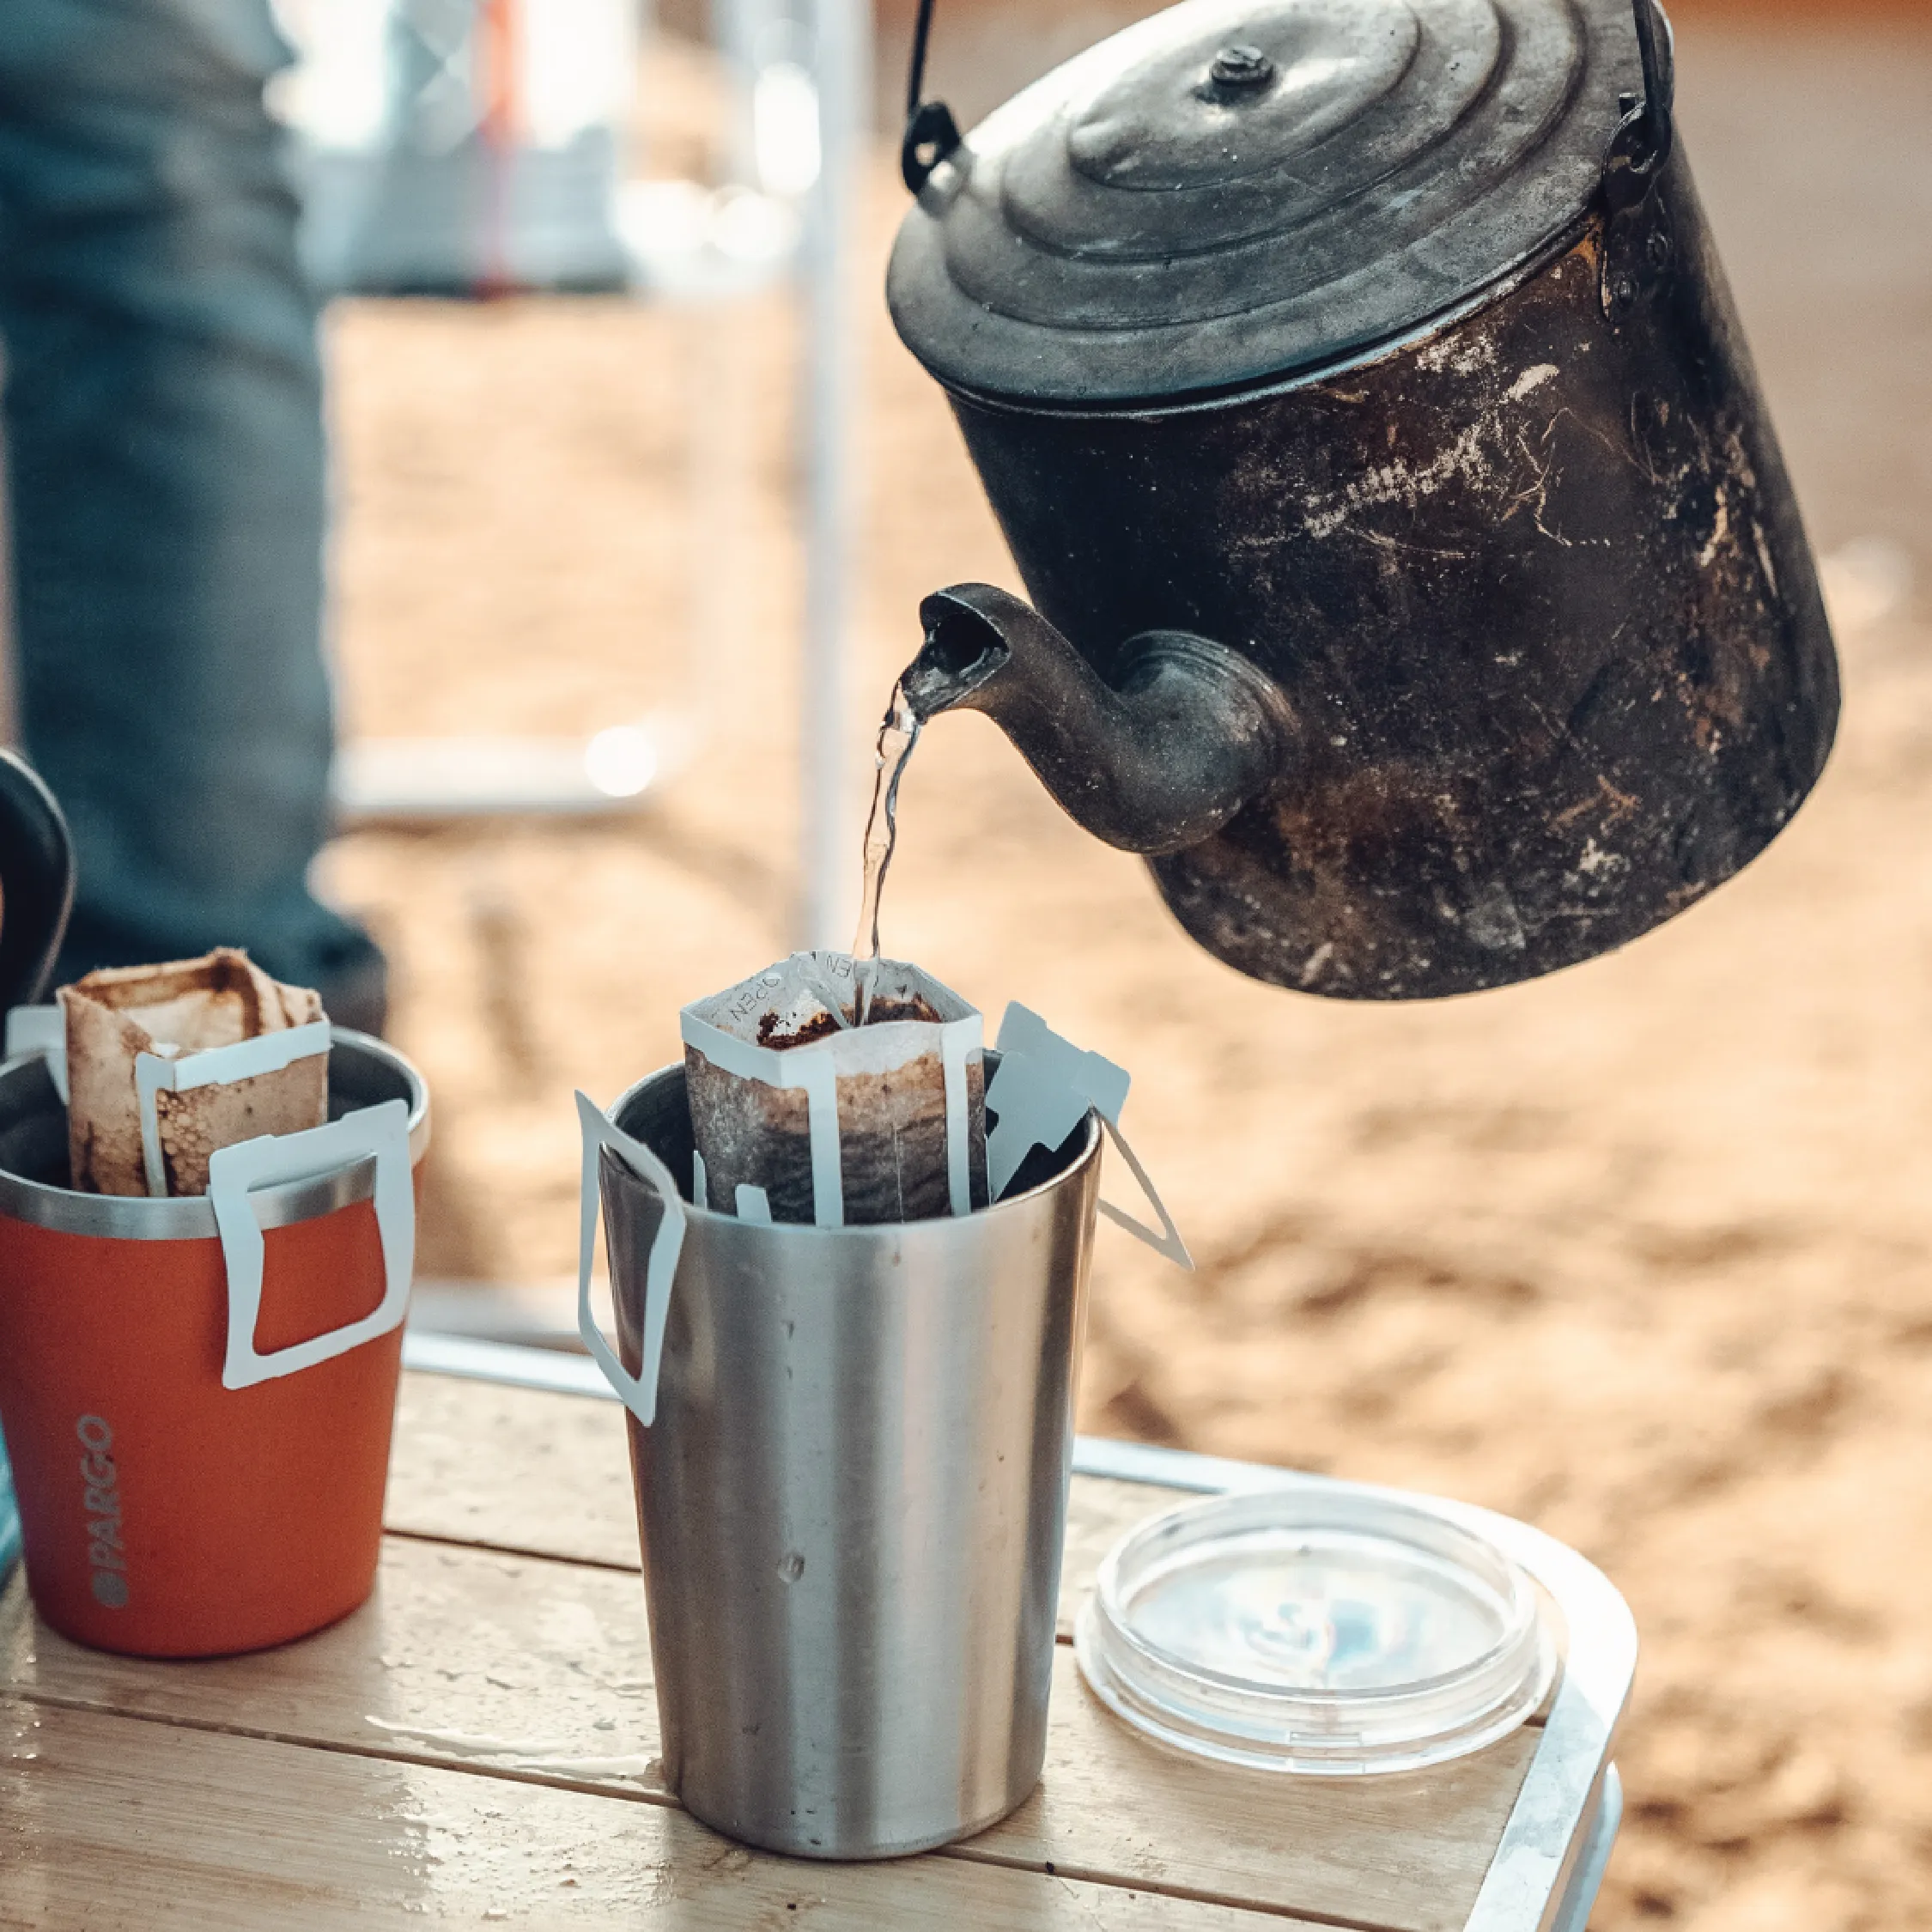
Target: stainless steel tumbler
[(852, 1495)]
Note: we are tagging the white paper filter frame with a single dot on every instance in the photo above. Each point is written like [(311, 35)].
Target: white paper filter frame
[(214, 1066), (43, 1030), (882, 1048), (638, 1393), (1043, 1090), (236, 1172)]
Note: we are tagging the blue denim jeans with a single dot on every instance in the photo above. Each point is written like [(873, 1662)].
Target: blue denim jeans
[(163, 432)]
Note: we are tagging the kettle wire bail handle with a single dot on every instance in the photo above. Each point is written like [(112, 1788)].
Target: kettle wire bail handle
[(1644, 136), (931, 134)]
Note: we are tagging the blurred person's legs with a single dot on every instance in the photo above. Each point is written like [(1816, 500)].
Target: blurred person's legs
[(163, 428)]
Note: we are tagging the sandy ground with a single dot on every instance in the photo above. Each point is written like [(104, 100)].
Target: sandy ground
[(1640, 1252)]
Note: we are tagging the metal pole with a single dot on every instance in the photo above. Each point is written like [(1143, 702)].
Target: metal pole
[(828, 858)]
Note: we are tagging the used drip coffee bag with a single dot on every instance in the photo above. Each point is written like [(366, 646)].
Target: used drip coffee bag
[(165, 1064), (800, 1114)]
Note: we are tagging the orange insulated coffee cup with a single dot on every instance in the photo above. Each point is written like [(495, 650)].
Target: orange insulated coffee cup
[(197, 1394)]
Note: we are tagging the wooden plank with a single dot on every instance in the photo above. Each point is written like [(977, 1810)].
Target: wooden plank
[(112, 1824), (528, 1470), (555, 1481), (544, 1666), (513, 1468)]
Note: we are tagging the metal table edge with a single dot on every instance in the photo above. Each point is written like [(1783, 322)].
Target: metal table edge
[(1549, 1862)]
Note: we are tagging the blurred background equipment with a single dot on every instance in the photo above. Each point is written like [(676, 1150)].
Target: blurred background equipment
[(481, 147), (9, 1523), (36, 893), (36, 883), (457, 147)]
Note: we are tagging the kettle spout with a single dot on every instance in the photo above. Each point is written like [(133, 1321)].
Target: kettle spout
[(1191, 733)]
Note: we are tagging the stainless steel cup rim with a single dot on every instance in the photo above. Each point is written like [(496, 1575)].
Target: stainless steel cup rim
[(888, 1232), (362, 1071)]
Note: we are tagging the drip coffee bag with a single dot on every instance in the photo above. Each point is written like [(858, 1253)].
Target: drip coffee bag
[(165, 1064), (801, 1113)]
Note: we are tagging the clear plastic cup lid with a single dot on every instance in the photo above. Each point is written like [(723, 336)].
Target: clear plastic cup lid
[(1320, 1630)]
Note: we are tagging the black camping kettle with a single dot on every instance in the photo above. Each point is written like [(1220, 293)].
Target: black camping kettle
[(36, 883), (1415, 576)]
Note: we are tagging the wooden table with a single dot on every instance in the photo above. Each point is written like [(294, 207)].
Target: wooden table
[(478, 1745)]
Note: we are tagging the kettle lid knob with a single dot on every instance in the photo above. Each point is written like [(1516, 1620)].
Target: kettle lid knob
[(1240, 67)]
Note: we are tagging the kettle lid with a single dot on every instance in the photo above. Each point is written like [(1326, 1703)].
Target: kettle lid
[(1235, 190)]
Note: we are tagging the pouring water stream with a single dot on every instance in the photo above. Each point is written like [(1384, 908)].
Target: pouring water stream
[(897, 735)]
